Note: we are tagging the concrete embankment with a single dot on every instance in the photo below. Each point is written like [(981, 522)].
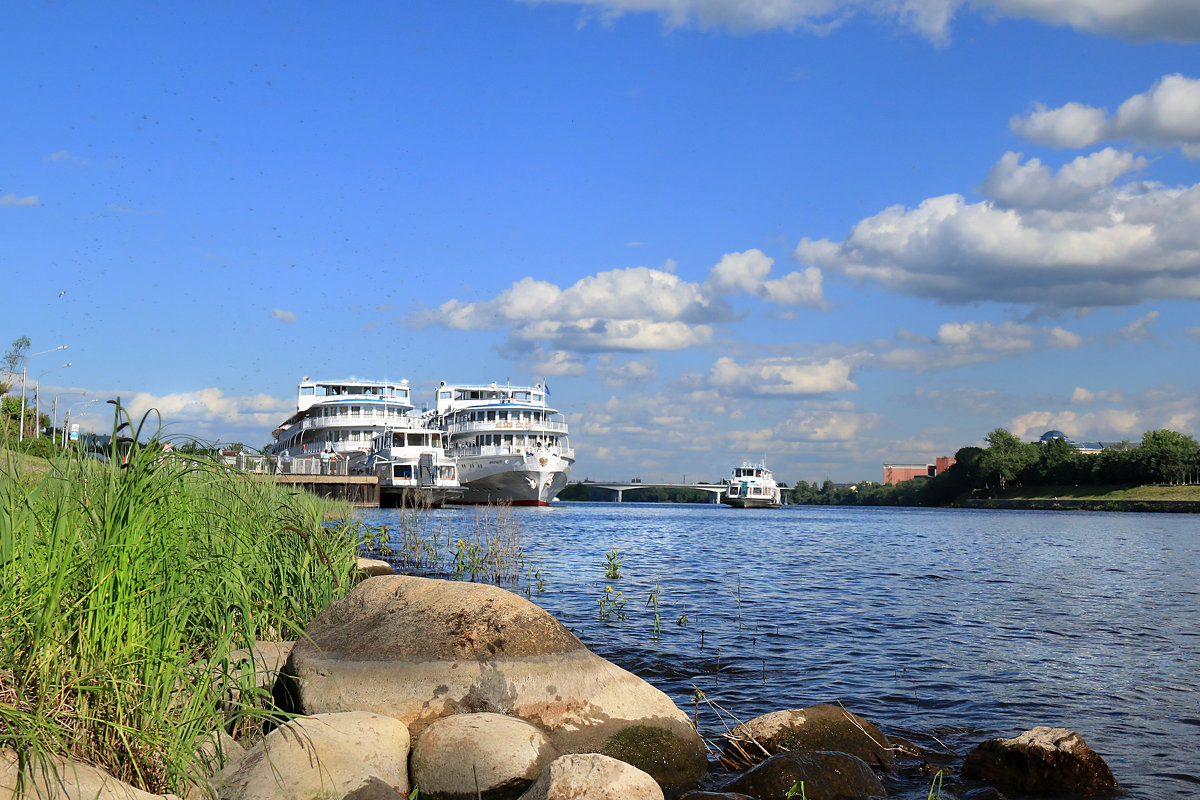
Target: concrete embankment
[(1055, 504)]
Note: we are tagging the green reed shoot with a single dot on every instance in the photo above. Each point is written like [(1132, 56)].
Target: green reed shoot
[(652, 601), (613, 561)]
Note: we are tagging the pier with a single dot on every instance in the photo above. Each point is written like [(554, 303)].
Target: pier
[(618, 488)]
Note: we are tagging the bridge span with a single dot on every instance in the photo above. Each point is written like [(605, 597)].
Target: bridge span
[(618, 488)]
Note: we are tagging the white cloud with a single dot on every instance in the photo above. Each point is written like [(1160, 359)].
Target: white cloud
[(1167, 115), (959, 344), (1082, 396), (13, 200), (1174, 20), (627, 373), (1096, 244), (1139, 329), (781, 377), (1127, 417), (555, 363), (632, 309), (1072, 125), (747, 272), (283, 316), (1081, 183), (194, 413), (63, 155)]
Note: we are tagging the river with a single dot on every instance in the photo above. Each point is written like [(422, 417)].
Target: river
[(938, 625)]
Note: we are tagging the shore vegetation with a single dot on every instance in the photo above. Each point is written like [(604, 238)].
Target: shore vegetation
[(128, 582)]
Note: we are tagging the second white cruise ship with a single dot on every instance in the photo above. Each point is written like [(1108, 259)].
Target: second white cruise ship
[(510, 447)]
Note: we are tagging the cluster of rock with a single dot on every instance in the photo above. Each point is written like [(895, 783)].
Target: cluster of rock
[(464, 691)]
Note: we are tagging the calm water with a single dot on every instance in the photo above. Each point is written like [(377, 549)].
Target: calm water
[(959, 625)]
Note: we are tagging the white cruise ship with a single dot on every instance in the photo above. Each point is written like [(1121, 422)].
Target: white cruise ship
[(342, 416), (510, 447), (753, 486)]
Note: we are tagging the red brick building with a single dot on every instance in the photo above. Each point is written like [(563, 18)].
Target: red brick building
[(898, 473)]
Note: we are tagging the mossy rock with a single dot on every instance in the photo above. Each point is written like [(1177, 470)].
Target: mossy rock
[(657, 751)]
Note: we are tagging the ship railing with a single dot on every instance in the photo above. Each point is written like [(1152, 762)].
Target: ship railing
[(350, 420), (505, 450), (304, 465), (507, 425)]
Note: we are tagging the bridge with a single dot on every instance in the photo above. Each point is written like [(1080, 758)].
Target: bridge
[(618, 488)]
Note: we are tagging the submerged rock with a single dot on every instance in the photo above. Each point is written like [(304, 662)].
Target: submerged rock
[(825, 775), (420, 649), (819, 728), (1045, 761)]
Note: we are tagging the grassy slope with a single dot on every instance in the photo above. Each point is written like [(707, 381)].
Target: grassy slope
[(1191, 493)]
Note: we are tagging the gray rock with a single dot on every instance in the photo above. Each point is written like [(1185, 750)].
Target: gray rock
[(355, 755), (213, 752), (59, 779), (591, 776), (698, 795), (1045, 761), (494, 755), (826, 776), (258, 666), (420, 649), (371, 568), (819, 728)]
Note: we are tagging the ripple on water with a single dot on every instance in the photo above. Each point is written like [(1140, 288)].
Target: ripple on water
[(936, 624)]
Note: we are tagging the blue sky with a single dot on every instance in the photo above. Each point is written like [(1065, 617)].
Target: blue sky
[(825, 233)]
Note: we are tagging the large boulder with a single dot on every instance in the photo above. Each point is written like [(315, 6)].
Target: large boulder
[(825, 775), (488, 755), (821, 727), (258, 666), (591, 776), (55, 778), (356, 755), (419, 649), (1045, 761)]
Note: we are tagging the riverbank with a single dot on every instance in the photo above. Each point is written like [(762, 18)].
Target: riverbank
[(1152, 498)]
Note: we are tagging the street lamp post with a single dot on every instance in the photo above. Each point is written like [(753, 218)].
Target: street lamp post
[(37, 399), (24, 367), (67, 421), (54, 419)]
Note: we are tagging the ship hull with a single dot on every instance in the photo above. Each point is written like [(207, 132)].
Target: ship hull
[(744, 502), (512, 480)]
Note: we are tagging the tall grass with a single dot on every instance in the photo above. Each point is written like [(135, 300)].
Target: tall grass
[(124, 589), (479, 544)]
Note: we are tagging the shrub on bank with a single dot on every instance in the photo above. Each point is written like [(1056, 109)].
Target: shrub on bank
[(125, 586)]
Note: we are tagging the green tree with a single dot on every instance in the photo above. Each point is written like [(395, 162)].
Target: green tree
[(1166, 456), (1006, 458), (13, 359)]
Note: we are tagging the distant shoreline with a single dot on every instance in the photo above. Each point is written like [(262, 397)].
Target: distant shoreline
[(1055, 504)]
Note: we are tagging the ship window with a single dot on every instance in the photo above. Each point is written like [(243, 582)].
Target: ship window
[(307, 391), (537, 398), (444, 395), (402, 471), (491, 415), (354, 410), (504, 415)]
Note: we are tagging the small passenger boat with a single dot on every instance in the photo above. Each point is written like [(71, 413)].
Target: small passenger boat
[(753, 486)]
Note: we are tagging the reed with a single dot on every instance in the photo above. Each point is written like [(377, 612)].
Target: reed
[(124, 589), (481, 545)]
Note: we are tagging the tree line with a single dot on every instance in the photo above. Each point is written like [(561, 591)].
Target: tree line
[(1162, 457)]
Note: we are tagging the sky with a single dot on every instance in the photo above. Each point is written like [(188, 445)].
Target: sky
[(827, 234)]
